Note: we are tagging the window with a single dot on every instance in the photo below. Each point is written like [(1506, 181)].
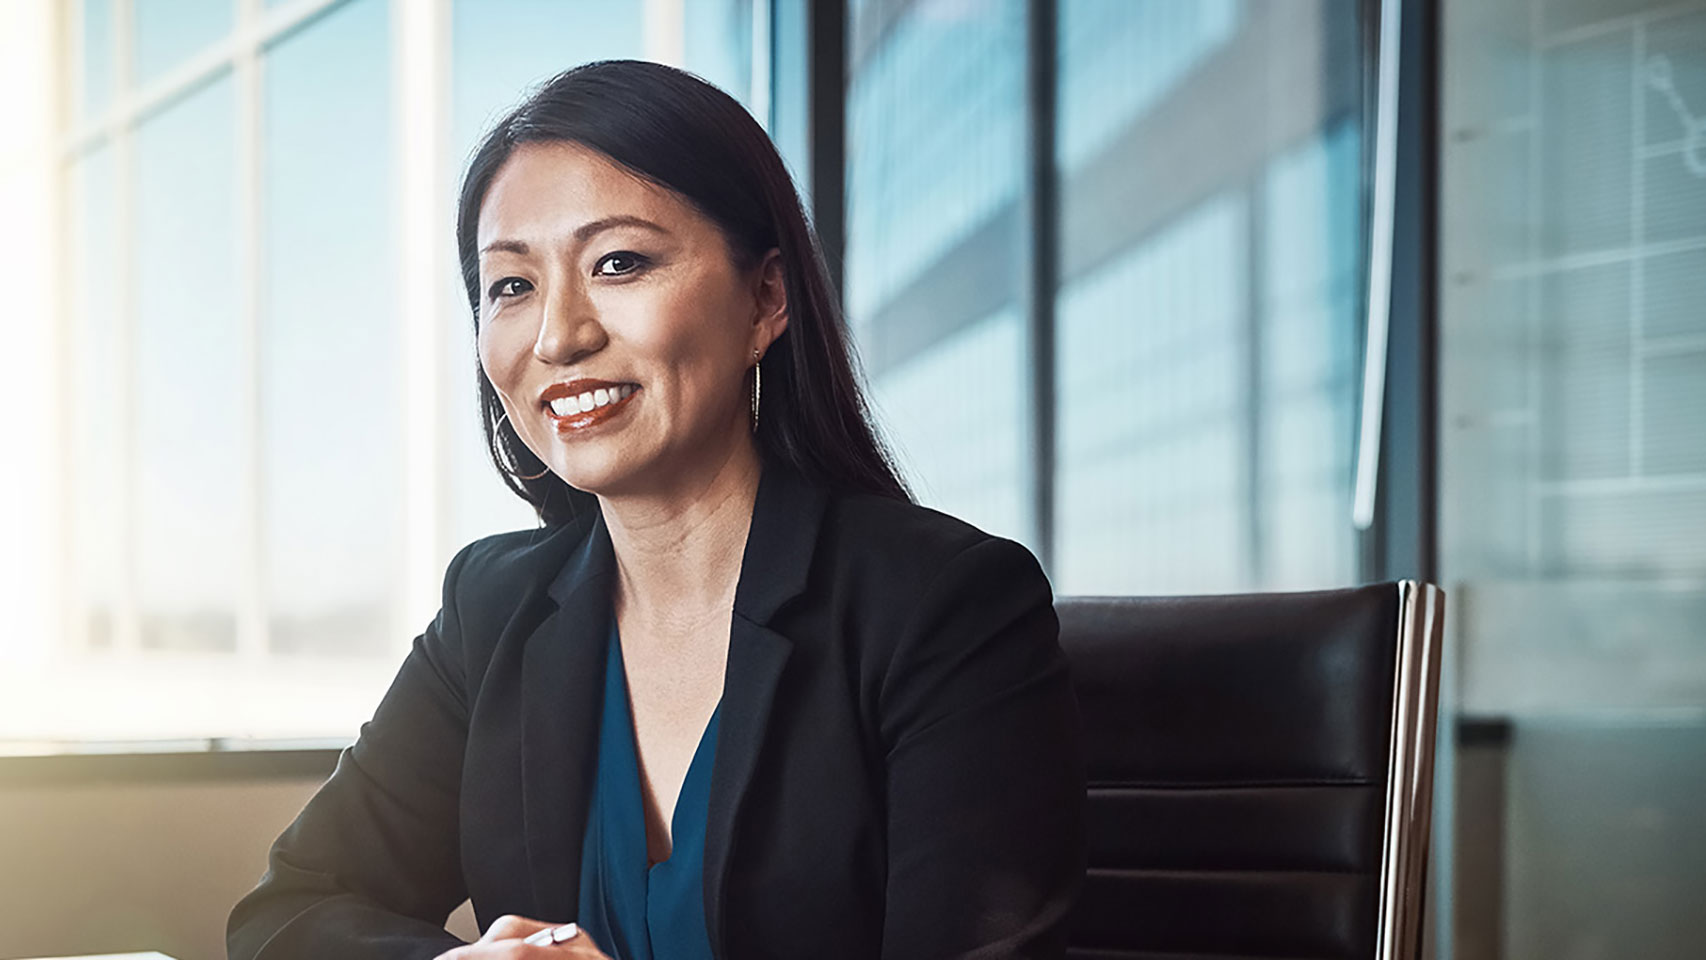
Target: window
[(935, 155), (187, 417), (1205, 326), (257, 515), (332, 547)]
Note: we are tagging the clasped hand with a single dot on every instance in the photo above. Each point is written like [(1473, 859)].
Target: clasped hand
[(506, 938)]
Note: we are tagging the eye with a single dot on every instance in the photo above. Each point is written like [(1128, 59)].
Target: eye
[(626, 262), (508, 287)]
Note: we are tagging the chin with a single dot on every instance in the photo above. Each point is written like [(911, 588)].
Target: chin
[(600, 478)]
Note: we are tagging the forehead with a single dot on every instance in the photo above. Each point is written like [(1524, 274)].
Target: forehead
[(546, 190)]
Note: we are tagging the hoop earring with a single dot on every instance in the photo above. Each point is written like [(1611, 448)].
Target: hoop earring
[(519, 476), (757, 387)]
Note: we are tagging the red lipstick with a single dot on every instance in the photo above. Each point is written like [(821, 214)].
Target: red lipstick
[(586, 402)]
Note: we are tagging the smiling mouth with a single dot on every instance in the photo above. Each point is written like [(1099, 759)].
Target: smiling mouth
[(583, 410)]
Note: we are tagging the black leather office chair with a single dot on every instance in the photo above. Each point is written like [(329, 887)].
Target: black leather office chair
[(1260, 771)]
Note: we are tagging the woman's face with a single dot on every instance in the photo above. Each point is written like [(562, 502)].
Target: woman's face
[(614, 323)]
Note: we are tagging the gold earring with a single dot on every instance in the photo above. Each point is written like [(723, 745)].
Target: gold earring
[(519, 476), (757, 386)]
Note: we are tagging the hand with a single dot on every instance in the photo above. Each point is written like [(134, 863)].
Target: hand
[(504, 941)]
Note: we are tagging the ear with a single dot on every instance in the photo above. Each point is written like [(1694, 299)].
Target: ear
[(770, 294)]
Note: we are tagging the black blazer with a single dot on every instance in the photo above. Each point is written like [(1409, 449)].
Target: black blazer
[(899, 769)]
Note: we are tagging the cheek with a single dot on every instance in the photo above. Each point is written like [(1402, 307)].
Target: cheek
[(696, 328), (692, 357), (502, 355)]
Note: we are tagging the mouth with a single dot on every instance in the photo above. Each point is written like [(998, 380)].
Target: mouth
[(589, 406)]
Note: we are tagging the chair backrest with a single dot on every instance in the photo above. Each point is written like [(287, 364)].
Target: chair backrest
[(1260, 767)]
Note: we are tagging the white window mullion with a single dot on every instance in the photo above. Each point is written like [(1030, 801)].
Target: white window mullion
[(126, 615), (73, 311), (420, 48), (74, 393), (251, 579)]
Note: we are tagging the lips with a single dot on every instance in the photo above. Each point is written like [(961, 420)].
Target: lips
[(582, 403)]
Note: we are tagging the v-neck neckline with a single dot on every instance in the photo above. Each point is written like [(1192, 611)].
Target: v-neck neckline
[(636, 788)]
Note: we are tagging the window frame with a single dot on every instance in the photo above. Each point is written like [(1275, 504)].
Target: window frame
[(420, 100)]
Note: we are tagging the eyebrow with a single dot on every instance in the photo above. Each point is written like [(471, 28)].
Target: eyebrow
[(581, 234)]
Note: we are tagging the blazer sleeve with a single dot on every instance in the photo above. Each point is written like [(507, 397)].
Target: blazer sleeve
[(371, 868), (985, 759)]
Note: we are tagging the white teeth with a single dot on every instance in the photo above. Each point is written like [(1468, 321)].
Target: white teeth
[(592, 399)]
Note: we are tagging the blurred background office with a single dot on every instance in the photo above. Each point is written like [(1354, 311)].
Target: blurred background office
[(1108, 264)]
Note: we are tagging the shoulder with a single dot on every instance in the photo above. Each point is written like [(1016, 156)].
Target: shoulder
[(910, 554), (882, 519), (501, 569), (949, 619)]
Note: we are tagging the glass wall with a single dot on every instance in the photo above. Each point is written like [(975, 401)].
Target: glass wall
[(935, 154), (1573, 468), (1206, 329), (1208, 351)]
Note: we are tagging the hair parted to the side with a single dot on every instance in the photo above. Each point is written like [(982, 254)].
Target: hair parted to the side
[(681, 133)]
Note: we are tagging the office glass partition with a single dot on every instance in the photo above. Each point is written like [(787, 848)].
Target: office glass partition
[(1573, 471), (935, 161), (1206, 329), (1209, 315)]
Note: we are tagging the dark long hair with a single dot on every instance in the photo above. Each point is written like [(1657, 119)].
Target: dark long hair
[(675, 130)]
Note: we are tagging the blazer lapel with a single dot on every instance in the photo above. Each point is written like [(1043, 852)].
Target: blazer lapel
[(785, 518), (563, 669)]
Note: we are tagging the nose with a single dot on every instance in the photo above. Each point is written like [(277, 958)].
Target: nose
[(568, 327)]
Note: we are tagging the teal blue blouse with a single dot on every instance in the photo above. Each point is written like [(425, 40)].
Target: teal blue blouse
[(634, 911)]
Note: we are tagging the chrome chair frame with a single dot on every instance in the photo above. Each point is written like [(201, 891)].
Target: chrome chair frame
[(1409, 772)]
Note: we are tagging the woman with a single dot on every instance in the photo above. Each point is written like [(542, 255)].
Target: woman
[(854, 708)]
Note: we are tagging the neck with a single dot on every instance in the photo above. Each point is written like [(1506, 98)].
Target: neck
[(678, 556)]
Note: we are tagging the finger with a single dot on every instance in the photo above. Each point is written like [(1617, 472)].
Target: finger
[(568, 934), (512, 927), (567, 939), (584, 946)]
